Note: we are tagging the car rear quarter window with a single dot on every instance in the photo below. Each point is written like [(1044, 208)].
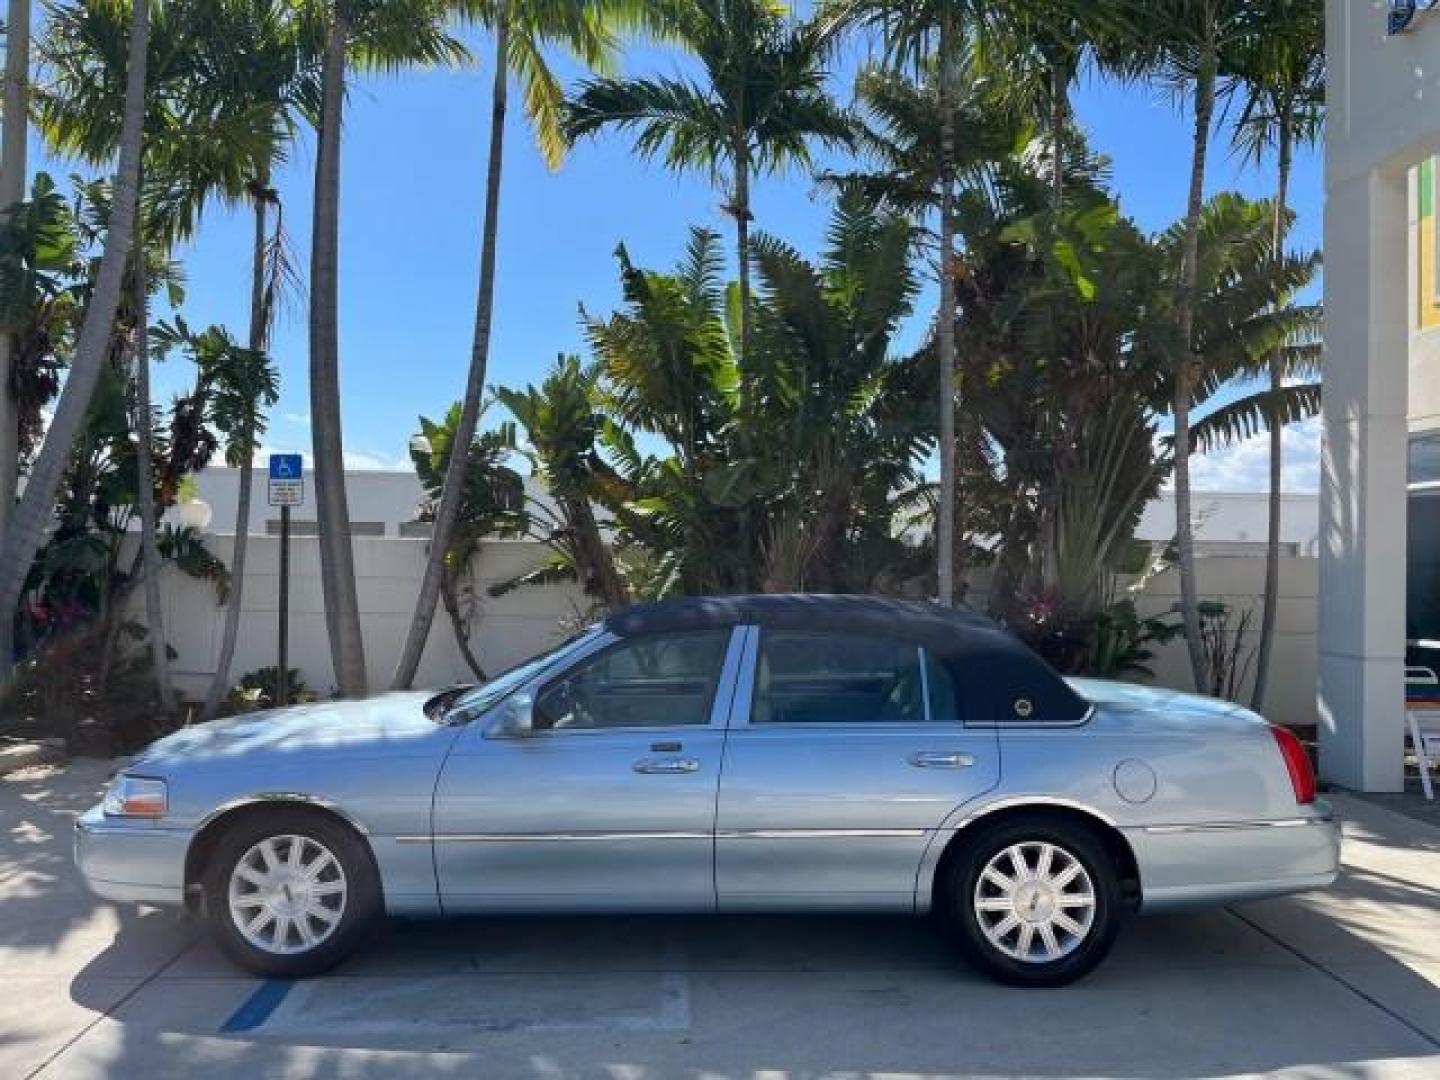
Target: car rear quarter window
[(805, 677)]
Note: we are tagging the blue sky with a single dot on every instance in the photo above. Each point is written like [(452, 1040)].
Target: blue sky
[(411, 204)]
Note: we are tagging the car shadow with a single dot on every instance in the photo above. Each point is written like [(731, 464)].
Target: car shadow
[(765, 996)]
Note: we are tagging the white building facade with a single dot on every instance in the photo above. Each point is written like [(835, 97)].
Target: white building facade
[(1382, 381)]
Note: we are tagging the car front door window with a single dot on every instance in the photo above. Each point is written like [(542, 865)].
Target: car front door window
[(661, 681)]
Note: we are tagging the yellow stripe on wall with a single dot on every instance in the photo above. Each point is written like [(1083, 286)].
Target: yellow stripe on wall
[(1429, 305)]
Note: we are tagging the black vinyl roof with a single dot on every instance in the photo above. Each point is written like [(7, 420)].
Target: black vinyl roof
[(998, 679)]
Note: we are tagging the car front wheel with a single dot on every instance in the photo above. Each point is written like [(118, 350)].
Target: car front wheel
[(290, 893), (1035, 903)]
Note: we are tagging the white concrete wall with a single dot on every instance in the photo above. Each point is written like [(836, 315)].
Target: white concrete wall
[(388, 572), (516, 626)]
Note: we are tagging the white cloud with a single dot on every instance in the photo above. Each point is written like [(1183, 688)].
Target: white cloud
[(1246, 466), (296, 418)]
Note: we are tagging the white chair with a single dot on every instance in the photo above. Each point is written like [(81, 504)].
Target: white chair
[(1422, 715)]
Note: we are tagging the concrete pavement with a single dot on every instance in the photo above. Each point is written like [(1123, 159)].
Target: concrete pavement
[(1344, 984)]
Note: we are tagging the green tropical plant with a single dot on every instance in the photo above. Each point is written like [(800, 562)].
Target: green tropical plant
[(562, 426), (1123, 642), (492, 504), (260, 689)]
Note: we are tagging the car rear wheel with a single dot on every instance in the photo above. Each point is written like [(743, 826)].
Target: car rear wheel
[(1035, 902), (290, 893)]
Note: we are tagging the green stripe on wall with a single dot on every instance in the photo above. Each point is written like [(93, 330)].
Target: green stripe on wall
[(1427, 188)]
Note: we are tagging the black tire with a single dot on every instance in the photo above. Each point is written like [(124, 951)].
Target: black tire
[(358, 909), (965, 922)]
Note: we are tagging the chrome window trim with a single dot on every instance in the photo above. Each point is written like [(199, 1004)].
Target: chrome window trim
[(1034, 725)]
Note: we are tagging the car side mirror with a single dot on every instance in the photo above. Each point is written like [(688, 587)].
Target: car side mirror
[(517, 718)]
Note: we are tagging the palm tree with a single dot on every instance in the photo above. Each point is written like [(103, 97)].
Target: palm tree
[(522, 30), (275, 81), (492, 504), (1187, 46), (12, 191), (902, 134), (757, 108), (1282, 69), (27, 528), (930, 35), (385, 34), (1038, 50)]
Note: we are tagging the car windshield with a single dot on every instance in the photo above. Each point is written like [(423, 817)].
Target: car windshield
[(482, 699)]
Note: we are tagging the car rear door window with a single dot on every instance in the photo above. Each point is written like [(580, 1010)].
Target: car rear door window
[(804, 677), (661, 681)]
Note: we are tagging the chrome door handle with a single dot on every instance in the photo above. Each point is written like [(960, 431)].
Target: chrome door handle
[(934, 759), (667, 766)]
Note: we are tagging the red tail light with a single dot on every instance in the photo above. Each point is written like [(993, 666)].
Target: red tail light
[(1297, 761)]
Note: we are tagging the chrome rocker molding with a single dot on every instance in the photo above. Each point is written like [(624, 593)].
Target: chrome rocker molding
[(722, 834), (1231, 826)]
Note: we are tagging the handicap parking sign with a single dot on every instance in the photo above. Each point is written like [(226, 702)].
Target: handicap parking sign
[(287, 480)]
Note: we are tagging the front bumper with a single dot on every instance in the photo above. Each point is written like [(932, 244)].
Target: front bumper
[(131, 862)]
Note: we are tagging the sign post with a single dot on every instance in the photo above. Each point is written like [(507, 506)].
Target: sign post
[(287, 489)]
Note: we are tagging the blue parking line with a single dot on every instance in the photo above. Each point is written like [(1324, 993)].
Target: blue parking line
[(259, 1006)]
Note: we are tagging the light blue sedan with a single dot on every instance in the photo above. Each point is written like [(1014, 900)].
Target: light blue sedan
[(767, 753)]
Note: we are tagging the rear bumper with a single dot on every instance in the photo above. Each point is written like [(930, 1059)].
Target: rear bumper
[(1185, 866), (131, 863)]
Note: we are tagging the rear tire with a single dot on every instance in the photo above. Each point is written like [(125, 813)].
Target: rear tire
[(290, 893), (1034, 902)]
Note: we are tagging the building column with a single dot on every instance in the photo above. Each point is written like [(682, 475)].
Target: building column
[(1362, 497)]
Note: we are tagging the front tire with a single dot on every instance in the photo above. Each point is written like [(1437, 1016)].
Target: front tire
[(290, 893), (1035, 902)]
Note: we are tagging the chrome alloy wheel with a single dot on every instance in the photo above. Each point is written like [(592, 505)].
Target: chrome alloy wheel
[(1035, 902), (287, 894)]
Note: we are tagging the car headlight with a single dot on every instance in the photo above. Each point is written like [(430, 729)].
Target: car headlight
[(135, 797)]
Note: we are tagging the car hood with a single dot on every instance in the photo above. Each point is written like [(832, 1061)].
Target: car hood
[(1156, 707), (389, 724)]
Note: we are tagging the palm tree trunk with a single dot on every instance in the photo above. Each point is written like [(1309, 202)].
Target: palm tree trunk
[(1059, 114), (36, 508), (145, 481), (12, 192), (1184, 374), (742, 253), (945, 328), (259, 341), (1271, 601), (458, 625), (337, 556), (453, 492)]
